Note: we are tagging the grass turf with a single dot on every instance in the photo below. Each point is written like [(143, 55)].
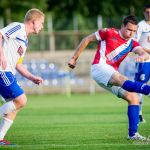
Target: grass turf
[(81, 122)]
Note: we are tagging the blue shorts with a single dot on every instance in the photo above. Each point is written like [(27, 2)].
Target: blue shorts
[(9, 87), (143, 74)]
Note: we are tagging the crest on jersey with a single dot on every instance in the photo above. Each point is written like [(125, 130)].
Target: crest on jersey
[(20, 51)]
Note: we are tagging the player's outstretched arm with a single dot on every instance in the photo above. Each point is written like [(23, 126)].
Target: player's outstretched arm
[(83, 44), (24, 72)]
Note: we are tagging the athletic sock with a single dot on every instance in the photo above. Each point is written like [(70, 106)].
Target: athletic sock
[(133, 119), (136, 86), (7, 108), (140, 109), (141, 102), (4, 127)]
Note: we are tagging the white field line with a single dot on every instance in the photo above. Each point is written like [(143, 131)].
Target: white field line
[(78, 145)]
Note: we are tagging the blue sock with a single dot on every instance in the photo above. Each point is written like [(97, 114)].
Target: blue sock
[(136, 86), (133, 119)]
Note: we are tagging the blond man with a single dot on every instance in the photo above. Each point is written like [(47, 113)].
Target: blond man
[(13, 45)]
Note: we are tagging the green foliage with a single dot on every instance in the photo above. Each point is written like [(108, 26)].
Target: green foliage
[(90, 8), (15, 10)]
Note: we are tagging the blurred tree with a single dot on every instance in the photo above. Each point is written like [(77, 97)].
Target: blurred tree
[(92, 8), (112, 11), (15, 10)]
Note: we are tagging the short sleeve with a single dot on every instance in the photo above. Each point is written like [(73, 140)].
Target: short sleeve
[(11, 31), (102, 34)]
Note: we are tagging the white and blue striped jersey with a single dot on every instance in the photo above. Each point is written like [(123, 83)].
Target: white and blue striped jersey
[(14, 44)]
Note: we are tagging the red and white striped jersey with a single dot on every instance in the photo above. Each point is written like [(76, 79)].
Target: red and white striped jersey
[(112, 48), (14, 44)]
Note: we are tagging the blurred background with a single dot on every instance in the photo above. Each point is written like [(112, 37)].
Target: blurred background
[(67, 22)]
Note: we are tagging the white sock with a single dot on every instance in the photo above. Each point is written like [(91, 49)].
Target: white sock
[(4, 127), (7, 108), (140, 109)]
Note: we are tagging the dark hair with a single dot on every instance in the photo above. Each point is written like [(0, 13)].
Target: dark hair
[(146, 6), (130, 19)]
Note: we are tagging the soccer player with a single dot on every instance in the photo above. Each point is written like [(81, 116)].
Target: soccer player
[(143, 68), (113, 46), (13, 45)]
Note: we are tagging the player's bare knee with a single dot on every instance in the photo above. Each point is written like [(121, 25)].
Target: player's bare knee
[(20, 101), (132, 98), (118, 79)]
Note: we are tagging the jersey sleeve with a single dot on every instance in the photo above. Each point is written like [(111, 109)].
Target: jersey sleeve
[(101, 34), (11, 31)]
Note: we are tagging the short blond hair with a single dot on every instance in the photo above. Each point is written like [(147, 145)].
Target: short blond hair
[(33, 14)]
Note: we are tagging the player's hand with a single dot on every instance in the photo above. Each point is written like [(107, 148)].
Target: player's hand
[(37, 80), (72, 63), (3, 62), (139, 59)]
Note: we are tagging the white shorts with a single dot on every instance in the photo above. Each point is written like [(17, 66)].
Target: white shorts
[(102, 73)]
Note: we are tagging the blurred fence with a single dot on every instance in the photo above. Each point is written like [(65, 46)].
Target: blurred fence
[(52, 67), (66, 33), (47, 56), (57, 41)]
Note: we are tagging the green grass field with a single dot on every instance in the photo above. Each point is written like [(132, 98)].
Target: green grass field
[(81, 122)]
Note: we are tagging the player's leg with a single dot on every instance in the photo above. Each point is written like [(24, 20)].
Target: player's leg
[(106, 74), (128, 85), (141, 78), (7, 108), (8, 119), (142, 75), (133, 111), (141, 118), (9, 90), (103, 76), (6, 123), (15, 99)]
